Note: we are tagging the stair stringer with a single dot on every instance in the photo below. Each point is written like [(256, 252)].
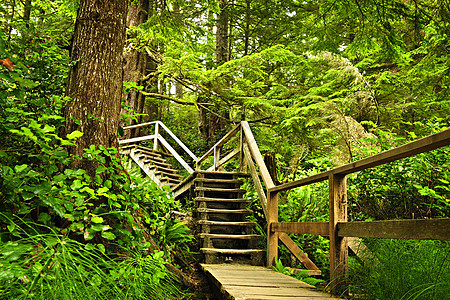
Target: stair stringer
[(147, 171)]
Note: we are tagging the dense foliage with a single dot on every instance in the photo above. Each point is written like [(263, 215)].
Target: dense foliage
[(322, 82)]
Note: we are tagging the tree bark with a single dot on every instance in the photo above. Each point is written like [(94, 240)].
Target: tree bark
[(135, 65), (95, 79), (27, 10), (222, 33)]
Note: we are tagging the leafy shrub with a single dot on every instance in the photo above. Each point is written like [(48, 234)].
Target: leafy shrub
[(402, 269), (53, 266)]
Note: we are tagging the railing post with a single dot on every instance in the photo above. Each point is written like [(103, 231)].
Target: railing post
[(272, 237), (338, 245), (216, 157), (155, 143), (242, 159)]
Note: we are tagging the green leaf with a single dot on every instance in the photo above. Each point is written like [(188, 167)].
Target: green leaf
[(42, 188), (89, 247), (61, 153), (102, 190), (108, 235), (88, 235), (20, 168), (100, 169), (74, 135), (101, 248), (58, 178), (77, 184), (97, 219)]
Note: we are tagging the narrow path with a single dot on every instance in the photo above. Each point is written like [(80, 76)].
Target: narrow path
[(244, 282)]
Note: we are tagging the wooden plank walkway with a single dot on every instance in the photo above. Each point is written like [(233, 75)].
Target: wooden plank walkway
[(244, 282)]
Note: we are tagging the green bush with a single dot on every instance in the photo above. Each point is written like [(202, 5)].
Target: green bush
[(53, 266), (402, 269)]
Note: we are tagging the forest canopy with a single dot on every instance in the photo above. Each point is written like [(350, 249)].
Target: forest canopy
[(321, 82)]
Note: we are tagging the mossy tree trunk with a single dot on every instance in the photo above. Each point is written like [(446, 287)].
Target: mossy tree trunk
[(134, 69), (95, 79)]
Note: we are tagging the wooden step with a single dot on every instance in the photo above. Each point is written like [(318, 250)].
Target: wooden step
[(158, 163), (218, 223), (209, 199), (229, 236), (212, 180), (224, 211), (148, 153), (217, 190), (170, 175), (150, 159), (237, 174), (163, 169), (231, 251), (170, 181)]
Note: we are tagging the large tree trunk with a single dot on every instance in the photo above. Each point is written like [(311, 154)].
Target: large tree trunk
[(27, 10), (135, 64), (95, 80), (222, 33)]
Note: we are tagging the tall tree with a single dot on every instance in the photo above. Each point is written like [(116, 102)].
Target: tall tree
[(95, 79), (135, 62)]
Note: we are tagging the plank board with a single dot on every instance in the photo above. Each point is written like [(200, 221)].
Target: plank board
[(245, 282), (419, 229)]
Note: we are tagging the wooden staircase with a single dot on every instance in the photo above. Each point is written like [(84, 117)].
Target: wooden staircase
[(225, 234), (153, 164)]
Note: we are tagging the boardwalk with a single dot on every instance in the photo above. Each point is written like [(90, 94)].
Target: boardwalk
[(258, 283)]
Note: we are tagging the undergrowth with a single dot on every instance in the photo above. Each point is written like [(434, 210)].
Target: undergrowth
[(402, 269), (38, 265)]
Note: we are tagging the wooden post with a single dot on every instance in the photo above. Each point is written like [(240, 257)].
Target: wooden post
[(338, 245), (155, 143), (242, 159), (216, 157), (272, 237)]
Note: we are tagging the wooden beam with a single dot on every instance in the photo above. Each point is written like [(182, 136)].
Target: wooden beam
[(301, 182), (338, 245), (228, 136), (272, 237), (301, 256), (425, 144), (183, 146), (216, 157), (256, 181), (138, 139), (155, 142), (224, 160), (175, 154), (140, 125), (318, 228), (220, 143), (256, 154), (420, 229)]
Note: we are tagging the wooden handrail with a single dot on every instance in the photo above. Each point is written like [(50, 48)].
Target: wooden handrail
[(140, 125), (220, 143), (178, 141), (256, 154), (425, 144), (175, 154), (158, 138), (137, 139), (338, 229)]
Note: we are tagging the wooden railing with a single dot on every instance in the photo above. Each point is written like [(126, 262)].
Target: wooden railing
[(251, 160), (159, 140), (338, 229), (249, 155)]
